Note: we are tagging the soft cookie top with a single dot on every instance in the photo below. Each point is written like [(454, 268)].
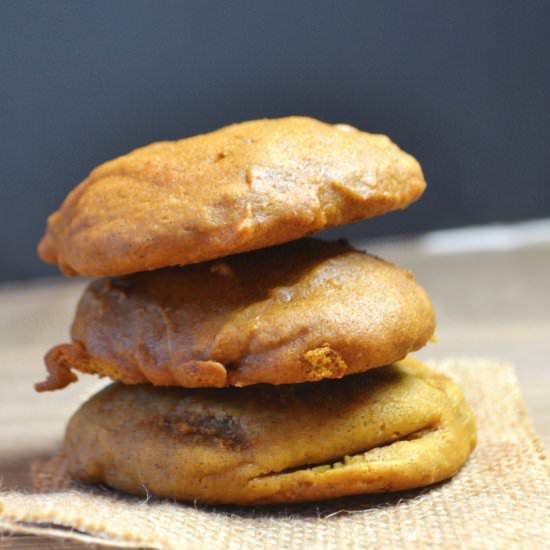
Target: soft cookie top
[(240, 188), (297, 312)]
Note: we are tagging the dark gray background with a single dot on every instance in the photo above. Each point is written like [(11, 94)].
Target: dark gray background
[(465, 86)]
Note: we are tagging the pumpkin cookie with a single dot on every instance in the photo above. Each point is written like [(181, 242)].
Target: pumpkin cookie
[(298, 312), (244, 187), (393, 428)]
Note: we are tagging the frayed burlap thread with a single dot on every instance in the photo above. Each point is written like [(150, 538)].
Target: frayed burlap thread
[(500, 499)]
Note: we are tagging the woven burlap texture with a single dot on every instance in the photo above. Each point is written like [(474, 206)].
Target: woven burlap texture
[(500, 499)]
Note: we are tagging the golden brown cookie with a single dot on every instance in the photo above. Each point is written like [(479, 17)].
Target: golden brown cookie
[(297, 312), (244, 187), (390, 429)]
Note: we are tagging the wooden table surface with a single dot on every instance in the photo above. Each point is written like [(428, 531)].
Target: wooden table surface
[(490, 303)]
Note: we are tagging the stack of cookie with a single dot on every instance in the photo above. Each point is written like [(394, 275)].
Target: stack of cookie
[(252, 365)]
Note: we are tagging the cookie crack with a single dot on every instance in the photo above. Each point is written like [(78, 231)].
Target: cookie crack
[(354, 459)]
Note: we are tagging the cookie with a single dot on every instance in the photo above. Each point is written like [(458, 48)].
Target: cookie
[(390, 429), (244, 187), (297, 312)]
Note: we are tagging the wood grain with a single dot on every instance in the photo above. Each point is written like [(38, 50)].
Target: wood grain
[(489, 304)]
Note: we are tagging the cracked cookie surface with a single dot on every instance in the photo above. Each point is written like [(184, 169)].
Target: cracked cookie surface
[(297, 312), (393, 428)]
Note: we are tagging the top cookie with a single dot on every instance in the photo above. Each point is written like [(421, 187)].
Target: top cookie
[(244, 187)]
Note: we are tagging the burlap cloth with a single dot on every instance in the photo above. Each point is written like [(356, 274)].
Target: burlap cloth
[(500, 499)]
